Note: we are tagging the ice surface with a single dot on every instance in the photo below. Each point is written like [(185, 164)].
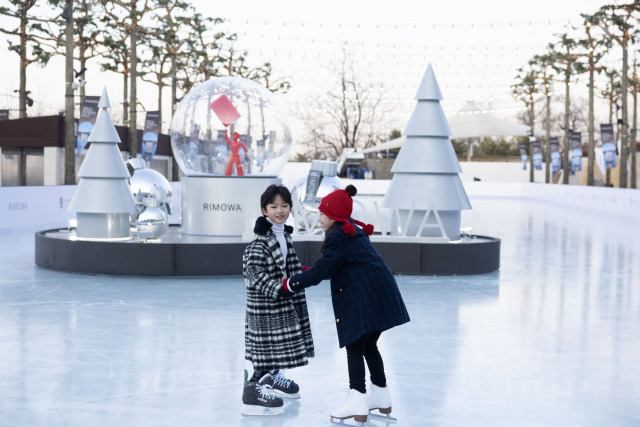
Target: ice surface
[(553, 338)]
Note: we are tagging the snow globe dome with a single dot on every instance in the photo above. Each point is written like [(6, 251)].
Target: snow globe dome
[(201, 142)]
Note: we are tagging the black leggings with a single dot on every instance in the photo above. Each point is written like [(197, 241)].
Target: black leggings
[(365, 348)]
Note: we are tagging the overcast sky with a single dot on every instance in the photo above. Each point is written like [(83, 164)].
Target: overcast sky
[(475, 49)]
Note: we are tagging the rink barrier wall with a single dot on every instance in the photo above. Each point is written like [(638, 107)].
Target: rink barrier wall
[(46, 206), (134, 258)]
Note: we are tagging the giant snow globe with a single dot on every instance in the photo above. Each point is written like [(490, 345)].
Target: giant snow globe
[(230, 126)]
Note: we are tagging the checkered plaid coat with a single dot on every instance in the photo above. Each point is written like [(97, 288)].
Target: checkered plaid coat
[(277, 329), (364, 293)]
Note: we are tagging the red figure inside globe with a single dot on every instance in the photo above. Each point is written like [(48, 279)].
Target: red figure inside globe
[(235, 156)]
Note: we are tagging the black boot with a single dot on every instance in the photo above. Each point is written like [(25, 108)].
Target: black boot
[(281, 385), (259, 399)]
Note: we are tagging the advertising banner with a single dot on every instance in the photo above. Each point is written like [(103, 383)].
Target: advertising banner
[(554, 148), (536, 149), (88, 114), (523, 154), (150, 134), (608, 145), (575, 142)]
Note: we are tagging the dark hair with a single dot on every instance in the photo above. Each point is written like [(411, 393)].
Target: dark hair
[(330, 230), (270, 194)]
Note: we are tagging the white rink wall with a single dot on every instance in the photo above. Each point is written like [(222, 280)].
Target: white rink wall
[(46, 207)]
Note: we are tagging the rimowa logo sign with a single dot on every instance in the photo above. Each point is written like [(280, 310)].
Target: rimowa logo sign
[(221, 207)]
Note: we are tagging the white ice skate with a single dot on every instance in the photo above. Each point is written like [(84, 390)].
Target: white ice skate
[(379, 399), (355, 407)]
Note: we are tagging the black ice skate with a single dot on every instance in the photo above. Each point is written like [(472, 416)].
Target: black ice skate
[(258, 399), (281, 386)]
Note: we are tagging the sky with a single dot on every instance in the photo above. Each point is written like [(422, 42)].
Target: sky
[(475, 49)]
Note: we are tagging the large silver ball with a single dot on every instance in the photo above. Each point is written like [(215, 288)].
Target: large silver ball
[(152, 222), (148, 182)]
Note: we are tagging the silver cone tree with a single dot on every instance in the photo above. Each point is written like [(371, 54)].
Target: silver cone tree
[(426, 194), (103, 199)]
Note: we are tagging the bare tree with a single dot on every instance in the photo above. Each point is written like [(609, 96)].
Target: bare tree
[(165, 45), (128, 15), (565, 59), (526, 89), (29, 48), (634, 86), (617, 22), (543, 64), (611, 92), (116, 59), (264, 75), (350, 116), (69, 117), (75, 28), (86, 36), (594, 47)]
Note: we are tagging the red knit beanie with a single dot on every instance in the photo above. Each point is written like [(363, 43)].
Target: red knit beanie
[(338, 206)]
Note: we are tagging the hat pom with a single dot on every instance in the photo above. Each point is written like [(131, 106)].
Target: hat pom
[(368, 229), (351, 190), (349, 229)]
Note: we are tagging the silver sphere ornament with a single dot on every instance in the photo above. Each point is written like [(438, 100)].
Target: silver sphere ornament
[(145, 182), (152, 221)]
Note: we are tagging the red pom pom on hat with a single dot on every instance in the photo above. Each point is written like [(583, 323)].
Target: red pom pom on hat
[(368, 228), (349, 229)]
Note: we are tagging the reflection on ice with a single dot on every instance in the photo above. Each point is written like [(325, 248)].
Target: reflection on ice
[(550, 339)]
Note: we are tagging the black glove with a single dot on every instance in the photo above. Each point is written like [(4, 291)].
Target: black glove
[(282, 292)]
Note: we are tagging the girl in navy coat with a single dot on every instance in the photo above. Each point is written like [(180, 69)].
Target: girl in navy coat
[(366, 300)]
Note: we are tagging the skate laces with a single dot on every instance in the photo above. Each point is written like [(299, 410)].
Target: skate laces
[(262, 390), (281, 380)]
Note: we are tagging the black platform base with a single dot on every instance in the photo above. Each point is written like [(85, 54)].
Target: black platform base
[(177, 255)]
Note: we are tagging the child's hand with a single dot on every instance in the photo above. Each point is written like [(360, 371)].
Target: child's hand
[(282, 292), (285, 291)]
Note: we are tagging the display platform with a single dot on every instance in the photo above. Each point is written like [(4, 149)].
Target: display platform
[(177, 254)]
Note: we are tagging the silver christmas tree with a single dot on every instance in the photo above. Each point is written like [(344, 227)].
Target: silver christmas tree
[(103, 199), (426, 194)]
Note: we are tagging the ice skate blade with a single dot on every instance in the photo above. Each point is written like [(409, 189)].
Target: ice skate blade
[(346, 422), (357, 419), (261, 411), (283, 395), (385, 418)]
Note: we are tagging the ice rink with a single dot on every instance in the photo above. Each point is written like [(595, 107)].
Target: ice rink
[(552, 339)]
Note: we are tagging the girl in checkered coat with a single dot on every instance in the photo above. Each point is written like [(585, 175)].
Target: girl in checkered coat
[(277, 328), (366, 300)]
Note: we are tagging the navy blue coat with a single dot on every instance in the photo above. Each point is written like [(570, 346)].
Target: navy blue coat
[(364, 293)]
